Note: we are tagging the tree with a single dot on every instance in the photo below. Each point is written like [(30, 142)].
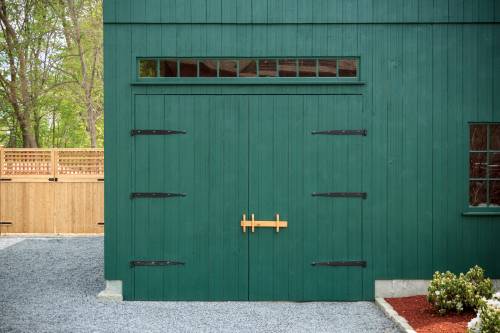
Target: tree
[(82, 24), (30, 49)]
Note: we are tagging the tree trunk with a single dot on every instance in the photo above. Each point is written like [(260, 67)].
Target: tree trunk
[(29, 140), (91, 127)]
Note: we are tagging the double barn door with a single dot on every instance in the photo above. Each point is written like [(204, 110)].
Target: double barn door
[(218, 157)]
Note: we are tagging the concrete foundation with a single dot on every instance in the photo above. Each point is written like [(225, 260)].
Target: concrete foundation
[(404, 288), (113, 291)]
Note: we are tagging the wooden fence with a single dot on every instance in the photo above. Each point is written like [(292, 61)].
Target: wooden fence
[(51, 191)]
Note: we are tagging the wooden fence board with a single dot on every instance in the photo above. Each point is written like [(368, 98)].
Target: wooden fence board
[(52, 191)]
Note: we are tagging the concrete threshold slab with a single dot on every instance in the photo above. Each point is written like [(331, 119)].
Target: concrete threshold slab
[(394, 316), (112, 292)]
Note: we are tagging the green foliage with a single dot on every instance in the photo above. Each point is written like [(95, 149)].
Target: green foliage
[(488, 317), (450, 293), (62, 74)]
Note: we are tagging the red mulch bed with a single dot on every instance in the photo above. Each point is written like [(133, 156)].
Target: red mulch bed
[(423, 318)]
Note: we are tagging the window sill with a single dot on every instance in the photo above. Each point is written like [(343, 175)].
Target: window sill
[(249, 81), (480, 213)]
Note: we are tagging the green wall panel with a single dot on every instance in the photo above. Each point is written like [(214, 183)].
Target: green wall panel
[(424, 82), (300, 11)]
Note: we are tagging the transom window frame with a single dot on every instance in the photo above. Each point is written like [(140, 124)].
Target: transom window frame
[(479, 210), (138, 80)]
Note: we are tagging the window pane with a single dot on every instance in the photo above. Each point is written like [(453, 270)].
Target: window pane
[(147, 68), (168, 68), (327, 67), (288, 68), (267, 68), (307, 67), (477, 193), (478, 137), (208, 68), (495, 193), (494, 165), (228, 68), (348, 68), (248, 68), (495, 137), (478, 164), (188, 68)]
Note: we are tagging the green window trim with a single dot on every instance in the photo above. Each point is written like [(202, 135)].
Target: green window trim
[(342, 75), (482, 151)]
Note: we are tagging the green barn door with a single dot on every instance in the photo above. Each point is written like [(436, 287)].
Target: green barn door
[(287, 164), (195, 235), (234, 155)]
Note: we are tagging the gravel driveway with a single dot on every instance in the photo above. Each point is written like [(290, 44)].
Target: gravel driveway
[(49, 285)]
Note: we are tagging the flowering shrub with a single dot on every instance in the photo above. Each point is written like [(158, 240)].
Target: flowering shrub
[(488, 317), (450, 293)]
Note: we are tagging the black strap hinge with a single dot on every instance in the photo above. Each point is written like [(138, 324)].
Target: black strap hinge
[(135, 263), (362, 195), (5, 223), (5, 179), (355, 263), (155, 195), (362, 132), (52, 179), (155, 132)]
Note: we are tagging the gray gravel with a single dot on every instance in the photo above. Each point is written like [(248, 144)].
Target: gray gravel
[(49, 285)]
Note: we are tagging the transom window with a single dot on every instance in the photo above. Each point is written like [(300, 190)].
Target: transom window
[(484, 165), (248, 68)]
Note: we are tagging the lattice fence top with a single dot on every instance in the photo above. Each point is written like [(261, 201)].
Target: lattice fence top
[(51, 163), (80, 163)]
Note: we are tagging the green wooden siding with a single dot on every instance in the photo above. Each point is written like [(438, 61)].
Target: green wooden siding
[(423, 83), (300, 11)]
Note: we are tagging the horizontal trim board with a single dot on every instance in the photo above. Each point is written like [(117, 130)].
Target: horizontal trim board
[(256, 81), (485, 214), (307, 23), (201, 94)]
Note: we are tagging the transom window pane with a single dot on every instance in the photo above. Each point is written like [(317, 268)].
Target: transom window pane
[(267, 68), (228, 68), (248, 68), (484, 165), (147, 68), (288, 67), (168, 68), (327, 68), (208, 68), (189, 68), (348, 68), (307, 67)]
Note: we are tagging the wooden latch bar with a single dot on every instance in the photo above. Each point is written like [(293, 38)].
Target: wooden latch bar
[(277, 224)]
